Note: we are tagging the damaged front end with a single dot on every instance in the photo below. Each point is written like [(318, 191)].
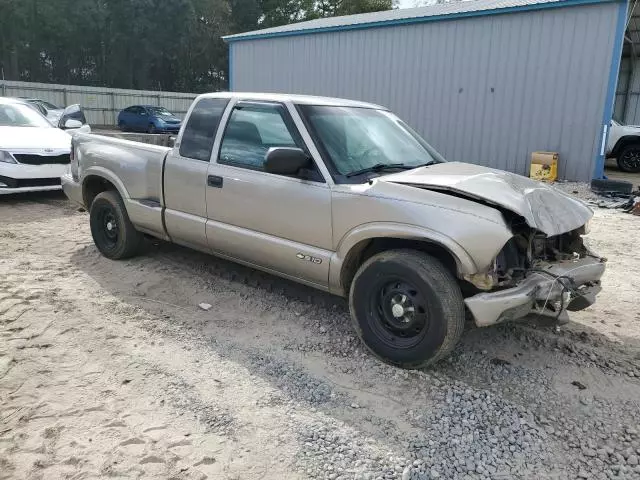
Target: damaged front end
[(536, 273)]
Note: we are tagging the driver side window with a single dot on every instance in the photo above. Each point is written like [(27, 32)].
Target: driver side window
[(250, 132)]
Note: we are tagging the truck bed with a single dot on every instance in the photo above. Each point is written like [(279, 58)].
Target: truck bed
[(136, 167)]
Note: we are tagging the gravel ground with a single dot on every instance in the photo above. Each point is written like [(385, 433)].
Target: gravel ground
[(110, 369)]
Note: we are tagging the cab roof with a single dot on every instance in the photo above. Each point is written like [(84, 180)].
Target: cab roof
[(296, 99)]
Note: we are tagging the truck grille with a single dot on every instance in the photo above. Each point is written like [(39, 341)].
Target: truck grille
[(43, 159), (29, 182)]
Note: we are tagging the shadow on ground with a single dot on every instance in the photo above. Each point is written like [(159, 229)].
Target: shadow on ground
[(258, 312)]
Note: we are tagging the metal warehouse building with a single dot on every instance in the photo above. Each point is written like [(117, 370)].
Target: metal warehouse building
[(485, 81)]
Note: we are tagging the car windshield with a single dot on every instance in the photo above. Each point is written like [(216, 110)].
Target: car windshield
[(161, 111), (364, 140), (21, 115), (47, 105)]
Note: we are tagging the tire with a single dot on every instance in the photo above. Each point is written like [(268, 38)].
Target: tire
[(112, 231), (611, 186), (433, 320), (122, 127), (152, 129), (629, 159)]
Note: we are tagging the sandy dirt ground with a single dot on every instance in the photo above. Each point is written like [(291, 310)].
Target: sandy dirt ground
[(110, 370)]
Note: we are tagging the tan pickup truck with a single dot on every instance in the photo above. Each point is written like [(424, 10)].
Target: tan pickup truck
[(345, 197)]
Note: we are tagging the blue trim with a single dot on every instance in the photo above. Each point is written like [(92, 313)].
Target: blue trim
[(409, 21), (230, 72), (607, 114)]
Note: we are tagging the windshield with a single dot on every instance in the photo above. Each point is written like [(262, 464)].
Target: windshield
[(161, 111), (47, 105), (357, 139), (21, 115)]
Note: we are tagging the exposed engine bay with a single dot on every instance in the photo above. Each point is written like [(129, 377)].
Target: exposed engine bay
[(559, 272), (530, 250)]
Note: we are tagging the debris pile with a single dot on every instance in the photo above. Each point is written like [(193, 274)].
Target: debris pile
[(616, 194), (610, 194)]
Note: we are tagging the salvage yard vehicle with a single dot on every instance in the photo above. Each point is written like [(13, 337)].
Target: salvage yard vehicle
[(623, 144), (149, 119), (33, 153), (345, 197), (48, 109)]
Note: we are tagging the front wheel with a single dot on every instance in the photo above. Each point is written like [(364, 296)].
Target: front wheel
[(112, 231), (629, 159), (407, 308)]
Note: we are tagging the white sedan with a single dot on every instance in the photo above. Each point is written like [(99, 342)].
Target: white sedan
[(34, 154)]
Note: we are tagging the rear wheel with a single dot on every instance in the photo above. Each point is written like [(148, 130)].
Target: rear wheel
[(112, 231), (122, 127), (629, 158), (152, 128), (407, 308)]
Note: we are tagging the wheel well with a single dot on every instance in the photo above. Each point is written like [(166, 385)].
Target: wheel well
[(623, 143), (94, 185), (365, 249)]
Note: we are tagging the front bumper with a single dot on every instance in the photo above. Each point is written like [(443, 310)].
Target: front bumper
[(169, 128), (541, 292), (72, 189), (20, 177)]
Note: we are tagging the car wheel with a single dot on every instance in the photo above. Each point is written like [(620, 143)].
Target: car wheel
[(112, 231), (629, 159), (406, 308), (122, 127), (152, 128)]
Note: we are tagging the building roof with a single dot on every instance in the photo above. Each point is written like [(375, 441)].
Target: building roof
[(439, 11)]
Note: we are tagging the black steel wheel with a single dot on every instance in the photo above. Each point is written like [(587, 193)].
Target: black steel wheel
[(399, 315), (407, 308), (629, 159), (112, 231)]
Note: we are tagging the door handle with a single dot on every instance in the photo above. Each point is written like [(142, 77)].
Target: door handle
[(214, 181)]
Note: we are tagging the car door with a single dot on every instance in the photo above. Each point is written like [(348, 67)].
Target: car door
[(132, 118), (276, 222), (142, 119), (124, 118), (185, 175)]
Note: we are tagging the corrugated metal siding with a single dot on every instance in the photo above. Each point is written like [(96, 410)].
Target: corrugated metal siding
[(628, 92), (101, 105), (487, 90)]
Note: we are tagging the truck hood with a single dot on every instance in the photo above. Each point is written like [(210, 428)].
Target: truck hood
[(32, 139), (544, 207)]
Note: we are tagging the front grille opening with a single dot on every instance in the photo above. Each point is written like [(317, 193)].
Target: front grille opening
[(29, 159), (30, 182)]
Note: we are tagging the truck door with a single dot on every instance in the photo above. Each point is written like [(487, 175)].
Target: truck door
[(185, 175), (281, 223)]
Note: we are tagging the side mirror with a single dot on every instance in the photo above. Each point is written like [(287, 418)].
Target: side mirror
[(286, 160), (74, 113), (72, 123)]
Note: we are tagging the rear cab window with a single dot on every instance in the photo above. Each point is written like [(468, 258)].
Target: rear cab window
[(200, 130)]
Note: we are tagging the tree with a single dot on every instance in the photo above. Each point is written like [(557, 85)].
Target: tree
[(143, 44)]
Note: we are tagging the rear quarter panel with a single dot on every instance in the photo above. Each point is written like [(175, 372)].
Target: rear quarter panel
[(134, 168)]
